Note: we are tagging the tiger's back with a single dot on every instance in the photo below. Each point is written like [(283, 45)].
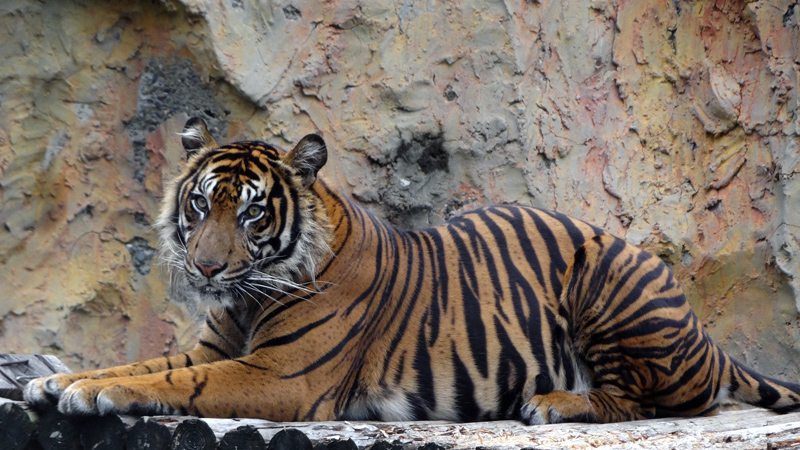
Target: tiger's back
[(318, 311)]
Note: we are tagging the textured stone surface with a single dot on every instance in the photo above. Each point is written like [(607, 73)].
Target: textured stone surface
[(671, 123)]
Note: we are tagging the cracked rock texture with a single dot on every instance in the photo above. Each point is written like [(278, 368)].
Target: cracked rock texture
[(674, 124)]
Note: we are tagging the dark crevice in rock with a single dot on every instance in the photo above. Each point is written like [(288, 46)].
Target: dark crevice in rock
[(141, 254), (166, 89)]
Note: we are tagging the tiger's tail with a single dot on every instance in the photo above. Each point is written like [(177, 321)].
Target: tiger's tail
[(746, 385)]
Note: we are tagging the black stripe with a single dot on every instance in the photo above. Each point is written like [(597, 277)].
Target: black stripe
[(479, 245), (425, 400), (219, 334), (441, 274), (198, 389), (410, 305), (294, 336), (470, 293), (313, 409), (531, 325), (235, 319), (557, 264), (278, 309), (401, 364), (570, 225), (354, 331), (466, 406), (213, 347), (253, 366), (512, 374), (518, 225)]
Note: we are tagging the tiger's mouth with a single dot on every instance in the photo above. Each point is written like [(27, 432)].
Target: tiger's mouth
[(208, 290)]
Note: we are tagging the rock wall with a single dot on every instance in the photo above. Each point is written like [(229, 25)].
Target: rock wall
[(671, 123)]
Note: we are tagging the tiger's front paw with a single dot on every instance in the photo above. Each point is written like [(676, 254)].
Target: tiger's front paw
[(46, 391), (105, 397)]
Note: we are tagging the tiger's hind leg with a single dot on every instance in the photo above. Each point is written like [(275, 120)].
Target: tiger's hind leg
[(631, 326), (595, 406)]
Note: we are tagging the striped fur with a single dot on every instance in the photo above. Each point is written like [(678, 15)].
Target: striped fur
[(318, 310)]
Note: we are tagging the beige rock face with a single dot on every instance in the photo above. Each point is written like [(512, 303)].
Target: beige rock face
[(673, 124)]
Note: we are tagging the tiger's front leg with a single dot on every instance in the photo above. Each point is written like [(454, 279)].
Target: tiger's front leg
[(220, 340), (245, 387), (46, 391)]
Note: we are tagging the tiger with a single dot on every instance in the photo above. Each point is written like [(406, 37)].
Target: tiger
[(319, 310)]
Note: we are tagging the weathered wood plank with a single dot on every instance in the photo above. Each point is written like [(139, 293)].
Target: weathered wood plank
[(17, 370)]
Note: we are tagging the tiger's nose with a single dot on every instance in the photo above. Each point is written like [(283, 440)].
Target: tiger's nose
[(208, 268)]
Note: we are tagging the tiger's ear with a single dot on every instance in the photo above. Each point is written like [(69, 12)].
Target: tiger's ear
[(307, 157), (196, 137)]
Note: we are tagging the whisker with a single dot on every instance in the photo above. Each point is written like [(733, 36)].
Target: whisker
[(261, 276), (260, 304), (267, 295), (289, 294)]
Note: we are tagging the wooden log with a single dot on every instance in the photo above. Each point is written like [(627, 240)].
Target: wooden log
[(17, 425), (384, 445), (339, 444), (733, 430), (193, 434), (290, 439), (57, 432), (102, 433), (244, 438), (148, 435), (431, 446)]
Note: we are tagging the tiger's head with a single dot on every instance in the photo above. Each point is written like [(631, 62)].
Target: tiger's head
[(242, 218)]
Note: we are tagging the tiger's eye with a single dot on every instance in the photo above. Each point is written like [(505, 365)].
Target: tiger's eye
[(201, 202), (254, 210)]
